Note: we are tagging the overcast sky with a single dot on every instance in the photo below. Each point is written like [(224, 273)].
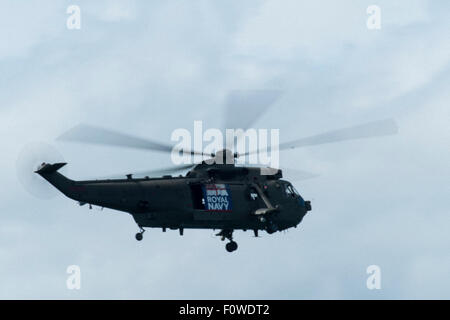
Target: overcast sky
[(147, 69)]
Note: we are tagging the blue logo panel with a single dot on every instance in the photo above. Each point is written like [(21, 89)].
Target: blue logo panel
[(217, 197)]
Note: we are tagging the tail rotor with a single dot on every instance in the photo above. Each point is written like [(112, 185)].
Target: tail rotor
[(28, 161)]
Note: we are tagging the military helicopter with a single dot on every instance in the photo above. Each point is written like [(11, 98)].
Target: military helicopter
[(216, 194)]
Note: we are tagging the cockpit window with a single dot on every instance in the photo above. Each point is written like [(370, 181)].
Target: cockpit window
[(290, 190)]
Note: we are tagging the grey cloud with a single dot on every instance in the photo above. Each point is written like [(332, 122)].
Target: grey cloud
[(162, 66)]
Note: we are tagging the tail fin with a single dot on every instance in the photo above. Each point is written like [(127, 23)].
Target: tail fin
[(50, 168), (49, 172)]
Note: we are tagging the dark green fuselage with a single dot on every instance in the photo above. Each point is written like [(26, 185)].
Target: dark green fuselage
[(181, 202)]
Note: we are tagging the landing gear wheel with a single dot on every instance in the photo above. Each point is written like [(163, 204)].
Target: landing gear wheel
[(231, 246), (140, 235)]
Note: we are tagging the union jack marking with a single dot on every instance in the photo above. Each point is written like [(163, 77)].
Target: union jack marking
[(216, 190)]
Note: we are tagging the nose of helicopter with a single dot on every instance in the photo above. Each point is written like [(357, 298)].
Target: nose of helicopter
[(308, 206), (304, 204)]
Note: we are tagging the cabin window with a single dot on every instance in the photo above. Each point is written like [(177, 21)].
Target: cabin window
[(253, 194), (198, 201)]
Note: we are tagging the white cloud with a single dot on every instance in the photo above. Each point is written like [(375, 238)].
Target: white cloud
[(27, 24)]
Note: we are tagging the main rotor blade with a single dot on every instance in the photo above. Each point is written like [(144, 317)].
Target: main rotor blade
[(298, 175), (367, 130), (154, 173), (96, 135), (244, 107)]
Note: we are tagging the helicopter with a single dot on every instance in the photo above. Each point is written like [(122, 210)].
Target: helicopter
[(209, 196), (216, 193)]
